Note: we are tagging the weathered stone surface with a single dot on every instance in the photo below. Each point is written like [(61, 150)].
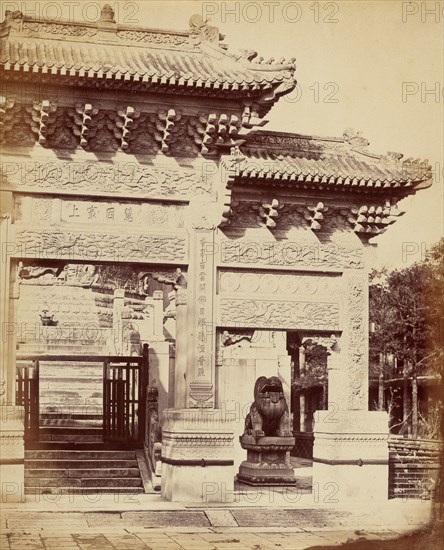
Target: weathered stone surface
[(176, 518), (99, 246), (279, 314)]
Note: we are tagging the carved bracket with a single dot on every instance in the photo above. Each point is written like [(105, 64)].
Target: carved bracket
[(42, 123), (250, 116), (166, 127), (212, 130), (269, 211), (315, 214), (6, 115), (82, 122), (373, 219), (124, 122)]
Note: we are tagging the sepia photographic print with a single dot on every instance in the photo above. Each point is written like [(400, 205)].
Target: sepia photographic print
[(222, 275)]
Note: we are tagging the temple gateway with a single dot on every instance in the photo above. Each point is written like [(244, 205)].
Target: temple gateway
[(161, 252)]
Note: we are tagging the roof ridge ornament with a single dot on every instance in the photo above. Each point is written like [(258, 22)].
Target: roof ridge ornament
[(107, 14), (201, 31), (355, 139), (13, 20)]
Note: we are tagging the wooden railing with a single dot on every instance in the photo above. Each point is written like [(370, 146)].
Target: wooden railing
[(125, 381), (28, 397)]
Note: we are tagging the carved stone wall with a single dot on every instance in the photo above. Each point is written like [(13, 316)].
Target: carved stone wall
[(111, 246)]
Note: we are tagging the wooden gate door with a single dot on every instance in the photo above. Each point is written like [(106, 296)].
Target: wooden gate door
[(27, 396), (125, 381)]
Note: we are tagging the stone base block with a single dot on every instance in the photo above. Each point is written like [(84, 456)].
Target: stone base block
[(197, 456), (208, 484), (350, 455), (12, 455), (267, 461)]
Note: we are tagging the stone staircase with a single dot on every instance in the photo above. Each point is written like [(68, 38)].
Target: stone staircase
[(70, 471)]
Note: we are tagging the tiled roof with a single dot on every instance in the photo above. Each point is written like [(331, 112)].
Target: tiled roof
[(106, 52), (325, 163)]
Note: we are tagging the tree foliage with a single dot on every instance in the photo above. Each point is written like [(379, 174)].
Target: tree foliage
[(405, 311)]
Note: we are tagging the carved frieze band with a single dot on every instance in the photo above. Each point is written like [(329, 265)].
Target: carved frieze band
[(279, 314), (117, 246), (290, 286), (121, 178), (243, 252)]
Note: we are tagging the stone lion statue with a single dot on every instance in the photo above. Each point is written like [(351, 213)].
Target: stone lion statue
[(268, 414)]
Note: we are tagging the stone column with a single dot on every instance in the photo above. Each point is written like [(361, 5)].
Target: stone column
[(11, 416), (180, 369), (158, 314), (350, 454), (198, 440), (302, 394), (118, 304), (201, 332)]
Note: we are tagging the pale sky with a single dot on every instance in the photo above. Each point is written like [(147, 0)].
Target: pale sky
[(360, 53)]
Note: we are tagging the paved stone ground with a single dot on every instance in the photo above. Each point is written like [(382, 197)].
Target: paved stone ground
[(213, 529)]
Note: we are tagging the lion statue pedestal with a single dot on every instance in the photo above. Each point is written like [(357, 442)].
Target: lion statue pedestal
[(267, 437)]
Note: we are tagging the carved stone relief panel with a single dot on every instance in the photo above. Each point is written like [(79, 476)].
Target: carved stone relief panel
[(121, 178), (289, 253), (114, 246), (279, 314), (291, 286)]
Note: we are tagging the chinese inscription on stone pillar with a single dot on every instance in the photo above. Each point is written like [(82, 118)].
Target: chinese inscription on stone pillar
[(201, 387)]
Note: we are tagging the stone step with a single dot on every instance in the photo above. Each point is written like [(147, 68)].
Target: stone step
[(93, 454), (80, 473), (93, 413), (68, 438), (63, 348), (66, 445), (84, 482), (71, 430), (93, 421), (44, 463), (64, 403), (56, 490)]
